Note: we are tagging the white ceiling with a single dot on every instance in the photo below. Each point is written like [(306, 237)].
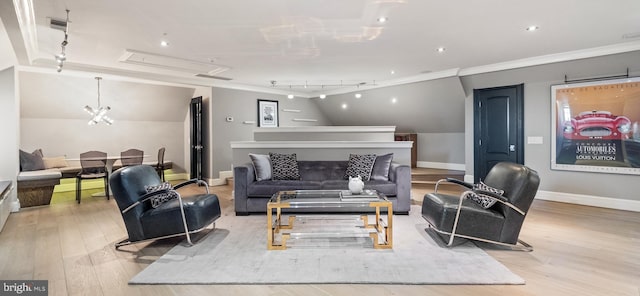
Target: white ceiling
[(326, 42)]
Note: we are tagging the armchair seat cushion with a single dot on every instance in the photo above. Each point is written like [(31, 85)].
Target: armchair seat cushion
[(200, 211), (440, 211)]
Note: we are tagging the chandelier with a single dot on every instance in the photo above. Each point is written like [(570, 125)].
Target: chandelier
[(98, 114)]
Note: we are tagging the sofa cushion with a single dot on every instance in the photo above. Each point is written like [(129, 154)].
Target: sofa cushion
[(261, 165), (284, 166), (360, 165), (322, 170), (270, 187), (381, 167), (54, 162), (31, 161)]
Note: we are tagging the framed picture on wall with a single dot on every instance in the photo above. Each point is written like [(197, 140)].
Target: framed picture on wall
[(595, 126), (267, 113)]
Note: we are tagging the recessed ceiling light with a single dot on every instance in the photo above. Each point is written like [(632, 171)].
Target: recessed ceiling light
[(164, 43), (393, 72), (382, 19), (394, 100), (290, 97), (344, 106), (440, 49), (323, 96), (532, 28), (358, 95)]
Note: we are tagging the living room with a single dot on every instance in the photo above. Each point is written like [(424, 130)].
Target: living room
[(437, 106)]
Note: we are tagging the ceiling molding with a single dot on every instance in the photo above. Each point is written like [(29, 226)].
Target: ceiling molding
[(197, 81), (154, 60), (554, 58)]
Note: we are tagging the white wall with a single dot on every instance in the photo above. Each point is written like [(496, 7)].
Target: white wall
[(147, 116), (9, 163)]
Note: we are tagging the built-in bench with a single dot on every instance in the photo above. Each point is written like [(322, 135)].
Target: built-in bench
[(35, 188)]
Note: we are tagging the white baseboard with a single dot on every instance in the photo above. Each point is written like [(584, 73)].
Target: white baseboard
[(469, 178), (441, 165), (222, 180), (590, 200), (582, 199)]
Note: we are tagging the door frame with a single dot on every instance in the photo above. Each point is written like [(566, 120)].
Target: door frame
[(477, 126)]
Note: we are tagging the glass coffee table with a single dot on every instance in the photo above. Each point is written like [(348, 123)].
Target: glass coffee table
[(381, 232)]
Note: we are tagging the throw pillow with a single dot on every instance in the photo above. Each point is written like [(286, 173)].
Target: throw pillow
[(54, 162), (284, 166), (482, 199), (161, 198), (380, 170), (31, 161), (261, 165), (360, 165)]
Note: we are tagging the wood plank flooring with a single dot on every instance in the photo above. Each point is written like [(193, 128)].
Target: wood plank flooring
[(579, 250)]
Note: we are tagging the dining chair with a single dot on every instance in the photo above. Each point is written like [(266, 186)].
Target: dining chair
[(131, 157), (160, 167), (93, 166)]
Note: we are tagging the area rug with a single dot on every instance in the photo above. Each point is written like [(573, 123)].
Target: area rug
[(236, 253)]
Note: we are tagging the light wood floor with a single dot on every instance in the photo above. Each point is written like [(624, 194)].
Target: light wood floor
[(578, 251)]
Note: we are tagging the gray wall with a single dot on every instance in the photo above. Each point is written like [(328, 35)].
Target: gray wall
[(537, 122), (242, 106), (146, 116), (435, 106), (445, 148)]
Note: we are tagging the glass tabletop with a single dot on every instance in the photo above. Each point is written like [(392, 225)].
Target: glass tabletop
[(326, 198)]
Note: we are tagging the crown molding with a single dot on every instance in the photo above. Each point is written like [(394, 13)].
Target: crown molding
[(554, 58)]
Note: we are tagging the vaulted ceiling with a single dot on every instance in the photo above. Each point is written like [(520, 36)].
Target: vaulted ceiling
[(316, 46)]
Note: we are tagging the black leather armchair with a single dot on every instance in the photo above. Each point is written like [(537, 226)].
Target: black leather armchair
[(457, 216), (179, 216)]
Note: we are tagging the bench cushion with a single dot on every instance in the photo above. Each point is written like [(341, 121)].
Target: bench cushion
[(39, 175)]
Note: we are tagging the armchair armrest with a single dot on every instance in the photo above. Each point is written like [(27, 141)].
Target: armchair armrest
[(454, 181), (499, 198), (193, 181)]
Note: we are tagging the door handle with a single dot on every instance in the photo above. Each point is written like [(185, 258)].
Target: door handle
[(512, 148)]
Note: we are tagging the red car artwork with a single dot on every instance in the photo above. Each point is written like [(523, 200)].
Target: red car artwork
[(597, 125)]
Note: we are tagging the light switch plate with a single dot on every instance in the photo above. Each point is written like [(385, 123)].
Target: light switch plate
[(534, 140)]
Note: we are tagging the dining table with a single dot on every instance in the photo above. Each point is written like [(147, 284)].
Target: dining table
[(110, 161)]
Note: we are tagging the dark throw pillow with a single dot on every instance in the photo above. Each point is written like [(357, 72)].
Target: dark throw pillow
[(484, 200), (360, 165), (31, 161), (261, 165), (284, 166), (380, 171), (161, 198)]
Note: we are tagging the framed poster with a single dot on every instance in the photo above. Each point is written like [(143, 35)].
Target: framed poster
[(595, 126), (267, 113)]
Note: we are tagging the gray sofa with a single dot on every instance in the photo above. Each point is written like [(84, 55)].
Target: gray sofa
[(251, 196)]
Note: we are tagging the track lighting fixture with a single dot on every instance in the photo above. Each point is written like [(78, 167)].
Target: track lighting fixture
[(60, 58)]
